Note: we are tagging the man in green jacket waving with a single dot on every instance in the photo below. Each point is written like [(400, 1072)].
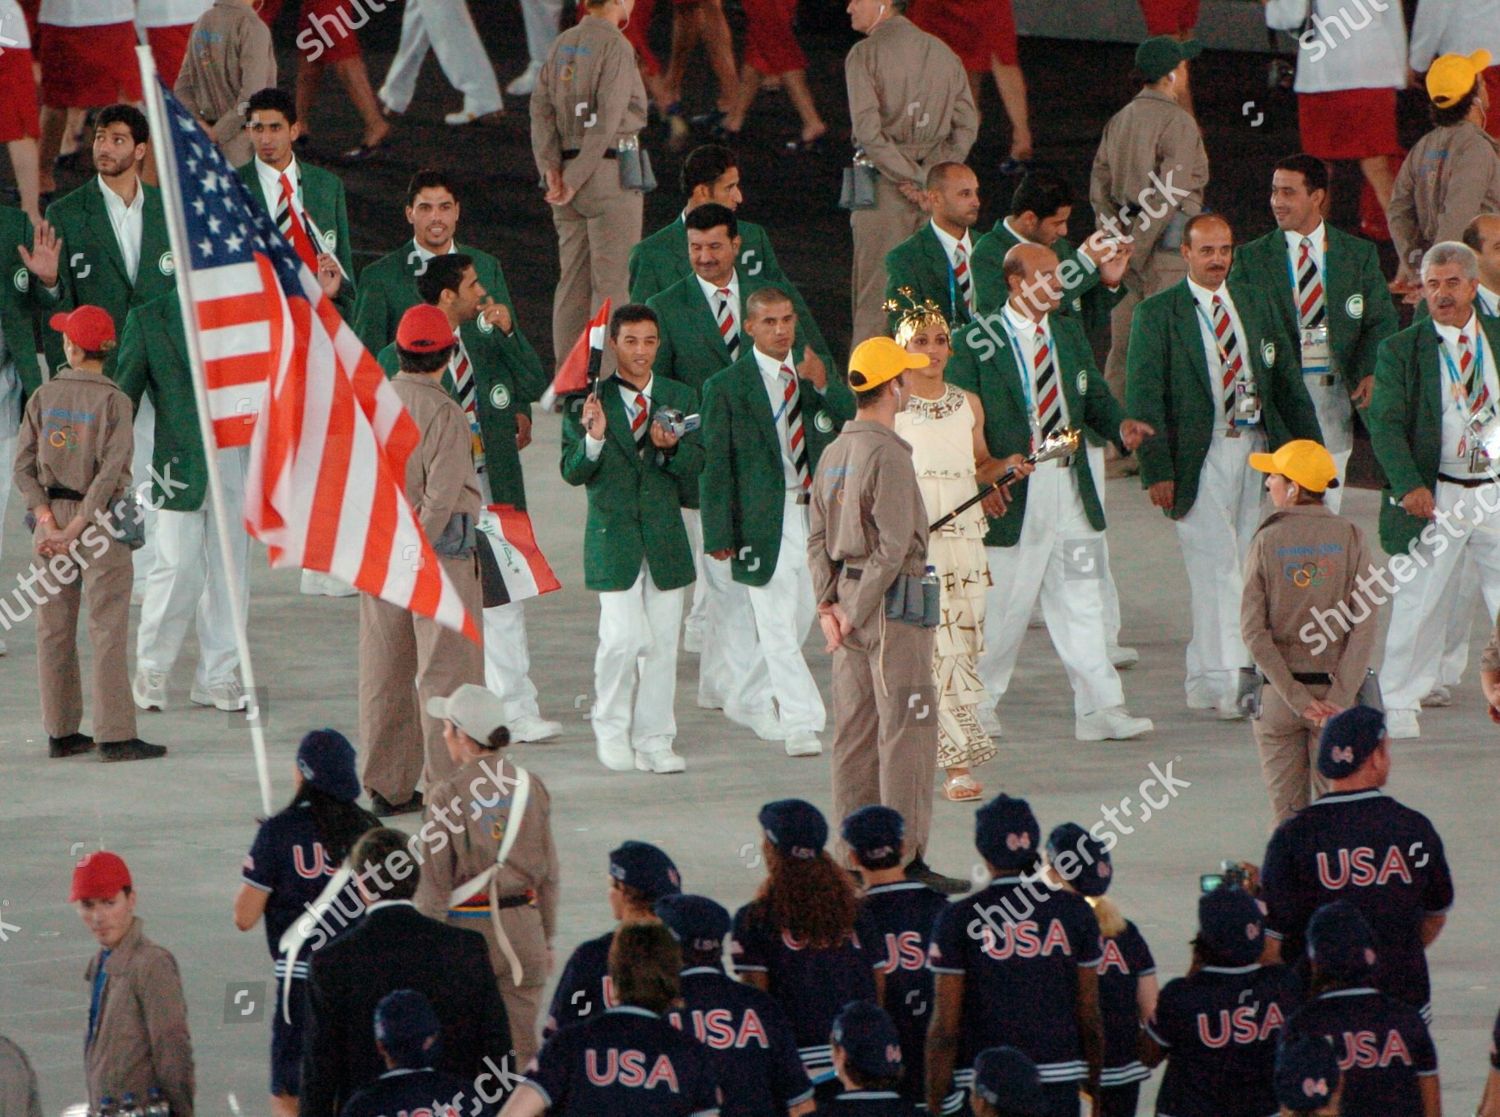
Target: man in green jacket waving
[(620, 443), (20, 373)]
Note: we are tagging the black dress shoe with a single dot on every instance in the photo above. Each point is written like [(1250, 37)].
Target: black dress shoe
[(133, 749), (71, 745), (381, 807), (919, 871)]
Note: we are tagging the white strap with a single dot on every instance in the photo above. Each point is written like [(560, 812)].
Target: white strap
[(301, 930), (490, 878)]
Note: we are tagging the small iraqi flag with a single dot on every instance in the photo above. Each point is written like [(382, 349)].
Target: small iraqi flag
[(580, 368), (511, 565)]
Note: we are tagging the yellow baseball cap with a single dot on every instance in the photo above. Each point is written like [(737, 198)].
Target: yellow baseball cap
[(879, 359), (1302, 460), (1453, 75)]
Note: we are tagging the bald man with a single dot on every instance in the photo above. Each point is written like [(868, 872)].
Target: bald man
[(1211, 367), (934, 262)]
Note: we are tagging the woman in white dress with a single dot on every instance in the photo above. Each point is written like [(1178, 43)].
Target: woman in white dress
[(945, 427)]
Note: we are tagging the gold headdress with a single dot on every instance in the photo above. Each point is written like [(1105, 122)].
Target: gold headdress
[(914, 316)]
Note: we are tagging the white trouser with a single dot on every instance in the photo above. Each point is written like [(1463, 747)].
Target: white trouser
[(1462, 606), (1061, 558), (144, 558), (507, 660), (697, 617), (447, 27), (1469, 527), (635, 669), (1336, 423), (1111, 594), (783, 611), (1215, 538), (189, 581), (541, 18), (10, 423), (727, 634)]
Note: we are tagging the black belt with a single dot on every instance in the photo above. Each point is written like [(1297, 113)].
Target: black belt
[(573, 153), (854, 572), (57, 492), (1313, 678), (1466, 482)]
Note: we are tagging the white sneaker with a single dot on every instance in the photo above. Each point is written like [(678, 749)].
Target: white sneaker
[(1228, 709), (1112, 724), (1440, 696), (149, 689), (1401, 725), (1122, 657), (1200, 700), (764, 723), (227, 695), (989, 721), (664, 762), (617, 758), (530, 728), (469, 116), (523, 85), (804, 744)]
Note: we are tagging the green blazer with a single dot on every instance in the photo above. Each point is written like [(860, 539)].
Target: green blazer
[(153, 358), (1406, 421), (508, 379), (323, 196), (1167, 384), (635, 498), (1087, 300), (1360, 312), (660, 260), (93, 271), (17, 314), (920, 262), (985, 363), (743, 486)]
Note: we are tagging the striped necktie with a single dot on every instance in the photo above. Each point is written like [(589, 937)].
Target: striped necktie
[(1229, 354), (289, 221), (1475, 389), (728, 328), (795, 440), (463, 390), (962, 279), (1048, 402), (1311, 305), (638, 428)]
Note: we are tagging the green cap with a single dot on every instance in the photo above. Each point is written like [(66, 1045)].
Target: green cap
[(1159, 55)]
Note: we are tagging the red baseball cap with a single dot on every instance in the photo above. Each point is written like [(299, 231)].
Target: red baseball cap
[(88, 327), (424, 329), (98, 876)]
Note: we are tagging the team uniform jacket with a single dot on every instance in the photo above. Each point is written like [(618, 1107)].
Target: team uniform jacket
[(921, 263), (17, 321), (440, 481), (1126, 960), (1448, 178), (1381, 856), (407, 1093), (1087, 301), (903, 915), (1383, 1046), (584, 990), (323, 199), (1167, 384)]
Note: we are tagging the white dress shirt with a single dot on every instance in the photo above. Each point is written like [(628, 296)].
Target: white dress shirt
[(127, 223), (711, 293), (592, 446), (270, 184), (422, 253), (775, 385), (1026, 333), (1319, 238), (86, 13), (1455, 410), (1205, 300), (951, 245), (1454, 27)]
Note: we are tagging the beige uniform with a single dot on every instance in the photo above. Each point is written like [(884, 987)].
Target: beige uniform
[(1449, 178), (229, 57), (476, 801), (588, 98), (910, 108), (1151, 165), (868, 525), (75, 438), (18, 1090), (1302, 559), (140, 1037), (397, 647)]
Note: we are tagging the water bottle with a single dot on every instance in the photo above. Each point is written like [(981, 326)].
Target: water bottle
[(932, 600), (107, 1106), (130, 1107), (156, 1103)]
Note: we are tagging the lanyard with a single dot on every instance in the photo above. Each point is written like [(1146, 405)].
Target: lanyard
[(1459, 391), (786, 400), (1223, 356), (1024, 362)]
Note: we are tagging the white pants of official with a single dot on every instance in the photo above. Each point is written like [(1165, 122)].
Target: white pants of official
[(1414, 641), (726, 634), (697, 614), (1060, 558), (1111, 593), (1336, 423), (143, 560), (782, 611), (507, 660), (541, 18), (447, 27), (1460, 607), (189, 582), (635, 669), (1215, 538)]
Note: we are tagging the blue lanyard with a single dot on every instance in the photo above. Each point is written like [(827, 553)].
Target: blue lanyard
[(1453, 368), (1023, 362)]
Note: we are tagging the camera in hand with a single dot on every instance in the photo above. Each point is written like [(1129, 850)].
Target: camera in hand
[(675, 423), (1230, 875)]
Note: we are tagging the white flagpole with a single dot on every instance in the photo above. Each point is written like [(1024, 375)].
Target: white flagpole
[(171, 197)]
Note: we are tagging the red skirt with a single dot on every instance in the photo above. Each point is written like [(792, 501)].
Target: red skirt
[(1348, 123), (325, 33), (18, 112), (1169, 17), (169, 47), (975, 30), (770, 45), (636, 32), (88, 67)]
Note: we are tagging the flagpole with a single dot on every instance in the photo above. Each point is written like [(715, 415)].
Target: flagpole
[(171, 198)]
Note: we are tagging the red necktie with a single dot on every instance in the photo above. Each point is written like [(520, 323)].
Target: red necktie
[(289, 221)]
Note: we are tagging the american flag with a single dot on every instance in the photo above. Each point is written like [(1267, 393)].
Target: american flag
[(328, 435)]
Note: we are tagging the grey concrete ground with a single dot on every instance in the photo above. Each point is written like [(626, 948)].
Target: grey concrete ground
[(184, 823)]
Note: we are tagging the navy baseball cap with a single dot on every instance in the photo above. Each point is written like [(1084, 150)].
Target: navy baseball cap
[(326, 760), (404, 1023), (1087, 867), (874, 832), (648, 870), (1008, 1079), (1348, 740), (869, 1038), (697, 922), (1307, 1073), (795, 827), (1231, 925), (1006, 833), (1340, 940)]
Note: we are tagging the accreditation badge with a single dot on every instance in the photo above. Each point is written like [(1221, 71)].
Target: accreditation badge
[(1317, 356), (1083, 382)]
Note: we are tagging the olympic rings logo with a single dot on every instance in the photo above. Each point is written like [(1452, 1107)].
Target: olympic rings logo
[(1305, 575), (62, 438)]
